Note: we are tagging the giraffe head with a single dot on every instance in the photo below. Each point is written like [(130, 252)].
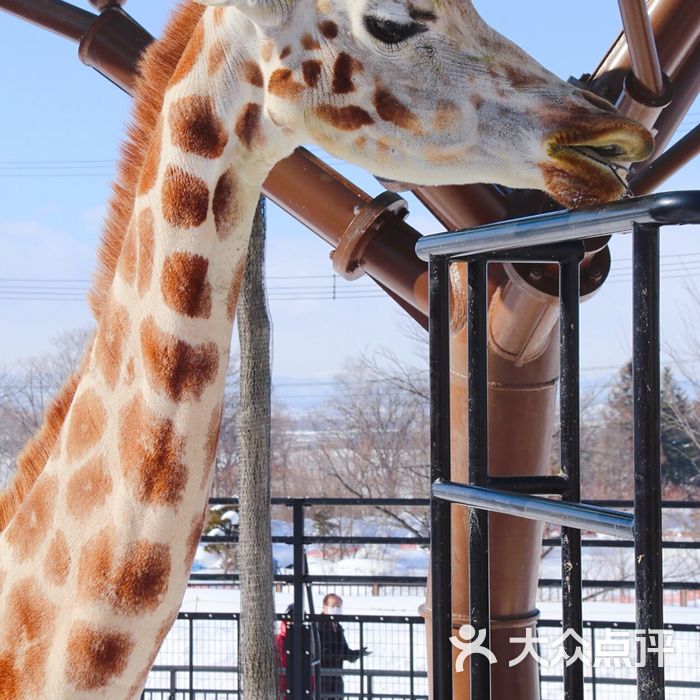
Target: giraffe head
[(424, 91)]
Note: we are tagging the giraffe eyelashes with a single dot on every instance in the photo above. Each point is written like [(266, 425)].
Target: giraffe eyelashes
[(391, 33)]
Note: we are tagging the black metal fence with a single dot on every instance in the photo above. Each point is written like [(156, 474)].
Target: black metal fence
[(199, 658), (555, 238)]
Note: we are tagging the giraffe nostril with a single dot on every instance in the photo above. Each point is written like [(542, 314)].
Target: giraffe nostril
[(596, 100)]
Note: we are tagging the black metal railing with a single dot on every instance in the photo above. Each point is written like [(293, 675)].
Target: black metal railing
[(555, 237), (199, 659)]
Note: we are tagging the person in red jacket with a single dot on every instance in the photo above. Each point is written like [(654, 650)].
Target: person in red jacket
[(284, 645)]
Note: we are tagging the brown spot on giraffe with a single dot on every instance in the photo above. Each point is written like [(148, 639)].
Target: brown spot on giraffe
[(282, 84), (520, 78), (390, 109), (141, 577), (342, 74), (252, 74), (175, 368), (309, 42), (87, 423), (349, 118), (328, 29), (11, 677), (109, 342), (185, 198), (128, 255), (477, 101), (57, 560), (149, 171), (193, 540), (311, 70), (190, 56), (286, 51), (225, 204), (146, 231), (28, 623), (196, 128), (234, 289), (95, 656), (88, 488), (211, 444), (32, 522), (95, 566), (447, 116), (248, 124), (29, 614), (151, 455), (215, 57), (185, 286), (130, 372)]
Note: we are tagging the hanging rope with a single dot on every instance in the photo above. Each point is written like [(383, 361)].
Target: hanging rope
[(257, 654)]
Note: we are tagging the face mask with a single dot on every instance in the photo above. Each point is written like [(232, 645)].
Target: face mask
[(335, 611)]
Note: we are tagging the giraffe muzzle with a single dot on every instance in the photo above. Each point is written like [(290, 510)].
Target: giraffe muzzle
[(588, 164)]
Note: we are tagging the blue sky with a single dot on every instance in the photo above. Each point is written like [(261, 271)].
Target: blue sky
[(61, 125)]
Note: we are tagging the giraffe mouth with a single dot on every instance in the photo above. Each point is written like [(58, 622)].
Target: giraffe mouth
[(592, 169)]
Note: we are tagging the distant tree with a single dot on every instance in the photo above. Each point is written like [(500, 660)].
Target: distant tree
[(225, 479), (26, 391), (609, 447), (373, 438), (679, 431)]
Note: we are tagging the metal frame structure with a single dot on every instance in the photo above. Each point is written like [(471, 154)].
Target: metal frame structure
[(514, 241)]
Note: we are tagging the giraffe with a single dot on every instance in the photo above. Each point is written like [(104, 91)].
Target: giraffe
[(100, 525)]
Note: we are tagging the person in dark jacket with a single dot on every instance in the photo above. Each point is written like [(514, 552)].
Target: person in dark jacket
[(334, 649)]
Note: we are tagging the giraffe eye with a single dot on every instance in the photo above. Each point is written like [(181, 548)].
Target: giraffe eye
[(390, 32)]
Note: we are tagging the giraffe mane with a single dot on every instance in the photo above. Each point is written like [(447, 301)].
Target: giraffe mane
[(155, 70)]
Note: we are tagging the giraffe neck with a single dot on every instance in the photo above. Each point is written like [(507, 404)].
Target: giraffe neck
[(95, 562)]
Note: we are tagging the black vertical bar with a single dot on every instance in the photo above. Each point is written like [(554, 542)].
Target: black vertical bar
[(191, 657), (238, 652), (411, 663), (298, 651), (572, 614), (477, 370), (647, 457), (440, 554), (593, 673), (362, 662)]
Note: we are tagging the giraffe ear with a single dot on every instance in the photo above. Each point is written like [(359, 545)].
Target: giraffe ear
[(265, 12)]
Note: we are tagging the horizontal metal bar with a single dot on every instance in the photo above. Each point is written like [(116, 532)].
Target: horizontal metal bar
[(530, 484), (584, 517), (278, 501), (617, 217)]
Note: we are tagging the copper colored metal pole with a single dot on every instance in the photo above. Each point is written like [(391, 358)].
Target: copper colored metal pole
[(643, 56), (113, 45), (60, 17), (682, 152)]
